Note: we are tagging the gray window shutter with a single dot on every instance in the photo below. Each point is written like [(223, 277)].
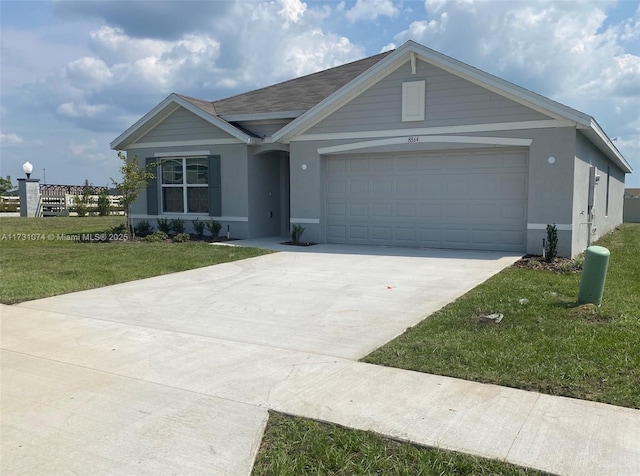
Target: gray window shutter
[(215, 188), (152, 188)]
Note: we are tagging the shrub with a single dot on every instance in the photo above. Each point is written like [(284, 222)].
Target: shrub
[(214, 227), (177, 225), (104, 206), (119, 230), (199, 227), (156, 237), (296, 233), (181, 238), (81, 202), (143, 228), (551, 246), (164, 225)]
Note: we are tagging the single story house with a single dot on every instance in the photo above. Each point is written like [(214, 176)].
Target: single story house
[(405, 148)]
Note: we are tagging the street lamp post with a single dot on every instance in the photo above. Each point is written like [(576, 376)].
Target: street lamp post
[(28, 168)]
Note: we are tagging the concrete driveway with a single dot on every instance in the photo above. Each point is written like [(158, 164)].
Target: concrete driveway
[(175, 374)]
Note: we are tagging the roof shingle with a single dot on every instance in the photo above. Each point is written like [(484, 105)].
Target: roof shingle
[(299, 94)]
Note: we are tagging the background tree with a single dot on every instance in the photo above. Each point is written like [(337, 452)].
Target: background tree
[(104, 206), (134, 180), (5, 186)]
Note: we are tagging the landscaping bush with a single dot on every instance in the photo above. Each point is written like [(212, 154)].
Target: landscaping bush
[(156, 237), (164, 225), (199, 227), (177, 226), (143, 228), (551, 245), (214, 227), (181, 238)]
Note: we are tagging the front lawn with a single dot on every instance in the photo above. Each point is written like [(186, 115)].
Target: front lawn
[(545, 342), (38, 257)]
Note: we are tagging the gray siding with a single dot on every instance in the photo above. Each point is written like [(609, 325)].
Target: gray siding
[(183, 125), (450, 101)]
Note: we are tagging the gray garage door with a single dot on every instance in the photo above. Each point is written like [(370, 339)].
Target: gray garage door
[(475, 199)]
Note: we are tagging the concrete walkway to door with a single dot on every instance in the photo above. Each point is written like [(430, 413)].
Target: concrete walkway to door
[(175, 374)]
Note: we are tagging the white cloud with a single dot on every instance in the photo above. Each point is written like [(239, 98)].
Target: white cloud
[(89, 73), (90, 151), (73, 110), (369, 10), (10, 139), (292, 10)]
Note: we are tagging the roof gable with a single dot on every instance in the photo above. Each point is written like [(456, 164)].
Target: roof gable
[(412, 51), (166, 108)]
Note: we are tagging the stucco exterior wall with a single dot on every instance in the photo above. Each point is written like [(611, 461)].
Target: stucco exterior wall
[(608, 198), (306, 182), (235, 187)]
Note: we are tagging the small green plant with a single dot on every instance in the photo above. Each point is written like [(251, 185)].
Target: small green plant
[(181, 238), (156, 237), (296, 233), (143, 228), (177, 226), (214, 227), (551, 245), (199, 227), (164, 225), (104, 206)]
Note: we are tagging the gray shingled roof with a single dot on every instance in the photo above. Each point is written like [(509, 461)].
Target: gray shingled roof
[(294, 95)]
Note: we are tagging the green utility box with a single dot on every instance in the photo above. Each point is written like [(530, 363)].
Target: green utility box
[(594, 273)]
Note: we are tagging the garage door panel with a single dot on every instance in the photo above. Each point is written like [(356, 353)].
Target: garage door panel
[(406, 164), (382, 210), (406, 234), (382, 187), (337, 210), (359, 210), (359, 166), (357, 232), (382, 234), (406, 186), (511, 237), (336, 186), (406, 210), (359, 186), (467, 200), (382, 165), (483, 236)]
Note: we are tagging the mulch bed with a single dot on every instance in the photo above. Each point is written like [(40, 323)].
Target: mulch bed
[(557, 265)]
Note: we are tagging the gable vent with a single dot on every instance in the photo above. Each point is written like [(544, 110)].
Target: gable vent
[(413, 101)]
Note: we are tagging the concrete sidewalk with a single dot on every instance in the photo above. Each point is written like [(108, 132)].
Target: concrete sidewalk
[(559, 435), (175, 374)]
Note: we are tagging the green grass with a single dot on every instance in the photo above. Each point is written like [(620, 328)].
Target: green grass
[(36, 263), (297, 446), (549, 344)]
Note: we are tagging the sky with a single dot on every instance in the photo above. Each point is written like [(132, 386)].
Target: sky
[(75, 74)]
